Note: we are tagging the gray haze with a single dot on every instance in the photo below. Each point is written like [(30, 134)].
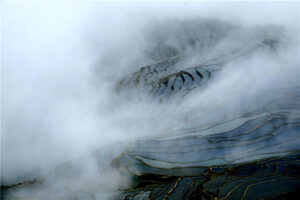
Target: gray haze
[(61, 62)]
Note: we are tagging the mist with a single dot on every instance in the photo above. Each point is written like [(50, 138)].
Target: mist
[(62, 62)]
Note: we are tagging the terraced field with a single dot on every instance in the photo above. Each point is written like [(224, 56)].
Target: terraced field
[(238, 147)]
